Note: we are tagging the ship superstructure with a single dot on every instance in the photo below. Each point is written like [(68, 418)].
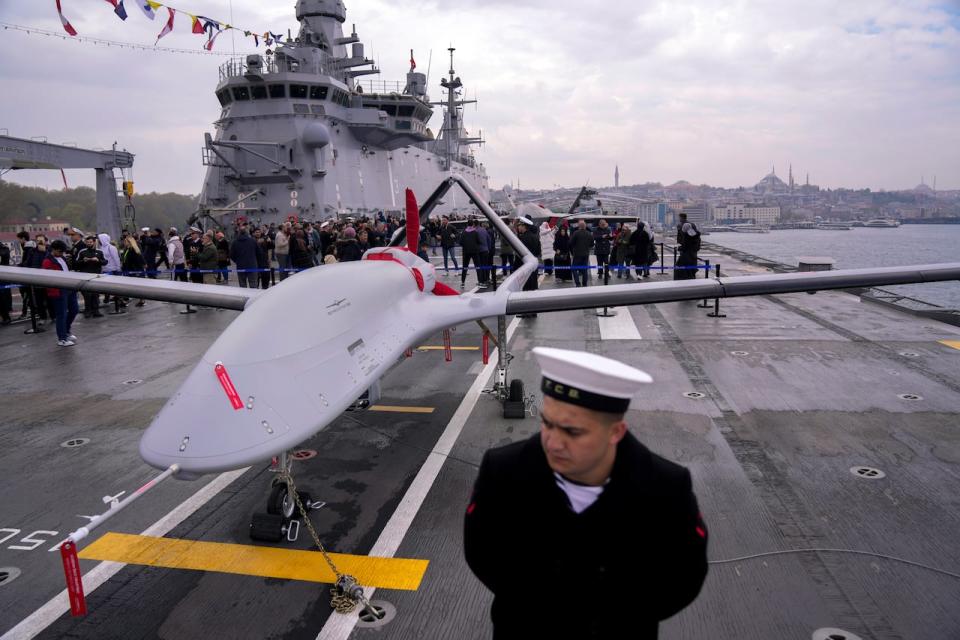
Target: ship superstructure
[(300, 136)]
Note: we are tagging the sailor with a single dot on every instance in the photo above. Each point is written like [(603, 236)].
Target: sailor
[(581, 531)]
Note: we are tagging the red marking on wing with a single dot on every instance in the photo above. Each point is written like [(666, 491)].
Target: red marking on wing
[(473, 505), (440, 289), (228, 387), (419, 278), (701, 533)]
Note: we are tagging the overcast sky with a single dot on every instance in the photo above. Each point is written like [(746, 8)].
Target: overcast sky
[(858, 94)]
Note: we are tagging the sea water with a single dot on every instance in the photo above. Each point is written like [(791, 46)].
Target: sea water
[(862, 247)]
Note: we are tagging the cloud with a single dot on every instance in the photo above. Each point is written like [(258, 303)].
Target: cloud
[(858, 94)]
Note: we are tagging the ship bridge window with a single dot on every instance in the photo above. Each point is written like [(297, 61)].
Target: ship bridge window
[(241, 93), (224, 97), (298, 91), (258, 92), (278, 90), (341, 98), (404, 125), (391, 109), (318, 92), (405, 111)]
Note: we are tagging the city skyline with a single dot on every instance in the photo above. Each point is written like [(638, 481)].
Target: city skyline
[(832, 91)]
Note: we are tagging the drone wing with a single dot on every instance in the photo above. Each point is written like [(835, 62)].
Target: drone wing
[(649, 293), (163, 290)]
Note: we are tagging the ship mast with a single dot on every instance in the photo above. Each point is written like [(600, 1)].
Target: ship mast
[(453, 135)]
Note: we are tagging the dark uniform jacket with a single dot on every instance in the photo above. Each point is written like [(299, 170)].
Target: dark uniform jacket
[(636, 556)]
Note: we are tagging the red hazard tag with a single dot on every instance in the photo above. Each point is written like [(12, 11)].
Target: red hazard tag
[(71, 570), (228, 387)]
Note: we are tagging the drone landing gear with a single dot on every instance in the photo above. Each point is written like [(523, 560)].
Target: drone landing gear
[(282, 518), (516, 404)]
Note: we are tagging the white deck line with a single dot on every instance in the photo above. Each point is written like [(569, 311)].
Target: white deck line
[(339, 626), (46, 615), (620, 326)]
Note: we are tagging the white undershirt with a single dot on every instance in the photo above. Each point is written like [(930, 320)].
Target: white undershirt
[(580, 496)]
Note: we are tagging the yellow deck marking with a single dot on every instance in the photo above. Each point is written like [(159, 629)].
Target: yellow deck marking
[(267, 562), (951, 343), (389, 409), (441, 348)]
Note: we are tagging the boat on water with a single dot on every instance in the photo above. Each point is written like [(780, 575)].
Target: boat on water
[(749, 228), (833, 226), (881, 223), (300, 135)]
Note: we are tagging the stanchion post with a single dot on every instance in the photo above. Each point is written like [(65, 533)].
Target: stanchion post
[(706, 303), (716, 302), (663, 262)]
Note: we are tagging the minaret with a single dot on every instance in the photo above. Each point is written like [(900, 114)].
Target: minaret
[(791, 177), (616, 177)]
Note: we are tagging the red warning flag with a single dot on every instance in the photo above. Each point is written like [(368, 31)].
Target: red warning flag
[(71, 570), (228, 387)]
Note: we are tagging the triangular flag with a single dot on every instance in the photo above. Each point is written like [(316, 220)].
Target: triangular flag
[(167, 28), (197, 27), (256, 40), (66, 23), (213, 37), (148, 8), (118, 8), (413, 63)]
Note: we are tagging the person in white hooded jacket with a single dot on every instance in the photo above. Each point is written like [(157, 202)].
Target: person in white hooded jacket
[(547, 234), (112, 256)]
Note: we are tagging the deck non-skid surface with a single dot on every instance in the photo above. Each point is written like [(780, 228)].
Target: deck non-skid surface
[(792, 392)]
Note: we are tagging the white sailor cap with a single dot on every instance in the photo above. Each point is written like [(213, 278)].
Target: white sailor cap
[(525, 220), (589, 380)]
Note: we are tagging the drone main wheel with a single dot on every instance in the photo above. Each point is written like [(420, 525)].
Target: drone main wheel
[(280, 503)]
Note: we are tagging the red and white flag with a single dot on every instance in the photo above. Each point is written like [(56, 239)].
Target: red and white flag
[(66, 23), (213, 38), (167, 28), (413, 63)]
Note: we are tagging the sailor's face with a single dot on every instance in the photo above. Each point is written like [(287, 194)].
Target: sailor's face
[(577, 441)]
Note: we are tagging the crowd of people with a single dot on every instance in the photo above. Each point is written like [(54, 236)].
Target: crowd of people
[(259, 255)]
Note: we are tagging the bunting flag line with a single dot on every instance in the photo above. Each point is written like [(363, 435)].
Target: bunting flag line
[(118, 8), (66, 23), (167, 28), (149, 8), (198, 24)]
